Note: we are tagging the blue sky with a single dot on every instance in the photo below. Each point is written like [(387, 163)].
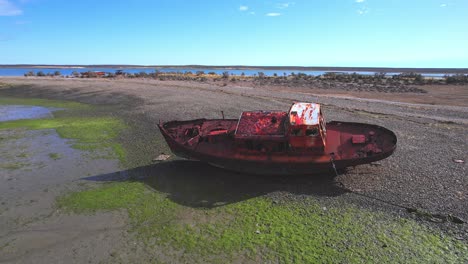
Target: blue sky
[(380, 33)]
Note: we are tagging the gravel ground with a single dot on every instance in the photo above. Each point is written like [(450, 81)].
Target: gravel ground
[(421, 173)]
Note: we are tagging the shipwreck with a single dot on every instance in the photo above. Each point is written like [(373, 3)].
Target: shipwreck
[(279, 143)]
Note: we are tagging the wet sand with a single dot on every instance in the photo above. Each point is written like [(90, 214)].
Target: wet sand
[(431, 130), (32, 230)]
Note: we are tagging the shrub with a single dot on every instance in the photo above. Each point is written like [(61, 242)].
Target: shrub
[(154, 74), (301, 75), (29, 73), (456, 79), (91, 74), (419, 79), (379, 75)]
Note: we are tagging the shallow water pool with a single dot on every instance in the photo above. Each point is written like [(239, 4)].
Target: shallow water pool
[(15, 112)]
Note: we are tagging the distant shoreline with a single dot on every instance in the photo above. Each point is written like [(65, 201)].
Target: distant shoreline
[(241, 67)]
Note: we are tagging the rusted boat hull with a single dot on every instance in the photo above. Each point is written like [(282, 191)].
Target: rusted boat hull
[(348, 144)]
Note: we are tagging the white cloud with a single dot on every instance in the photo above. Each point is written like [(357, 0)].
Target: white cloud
[(443, 5), (360, 1), (252, 13), (284, 5), (9, 9), (273, 14), (243, 8), (363, 11)]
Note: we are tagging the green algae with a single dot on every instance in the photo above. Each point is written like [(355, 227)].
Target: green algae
[(88, 133), (44, 103), (95, 134), (293, 232), (55, 156), (13, 165)]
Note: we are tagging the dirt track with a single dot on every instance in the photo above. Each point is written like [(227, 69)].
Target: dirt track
[(420, 174)]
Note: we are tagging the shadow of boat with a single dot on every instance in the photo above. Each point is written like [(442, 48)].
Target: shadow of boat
[(197, 184)]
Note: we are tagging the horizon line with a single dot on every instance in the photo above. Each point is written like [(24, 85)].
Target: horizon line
[(227, 66)]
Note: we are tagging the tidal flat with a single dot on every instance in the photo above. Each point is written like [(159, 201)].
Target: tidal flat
[(106, 201)]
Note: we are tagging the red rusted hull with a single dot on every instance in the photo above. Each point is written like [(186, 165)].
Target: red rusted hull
[(349, 144)]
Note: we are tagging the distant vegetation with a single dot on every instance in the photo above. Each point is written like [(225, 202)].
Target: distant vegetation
[(42, 74), (380, 82)]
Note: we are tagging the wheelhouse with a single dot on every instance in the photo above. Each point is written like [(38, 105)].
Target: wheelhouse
[(306, 126), (303, 127)]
